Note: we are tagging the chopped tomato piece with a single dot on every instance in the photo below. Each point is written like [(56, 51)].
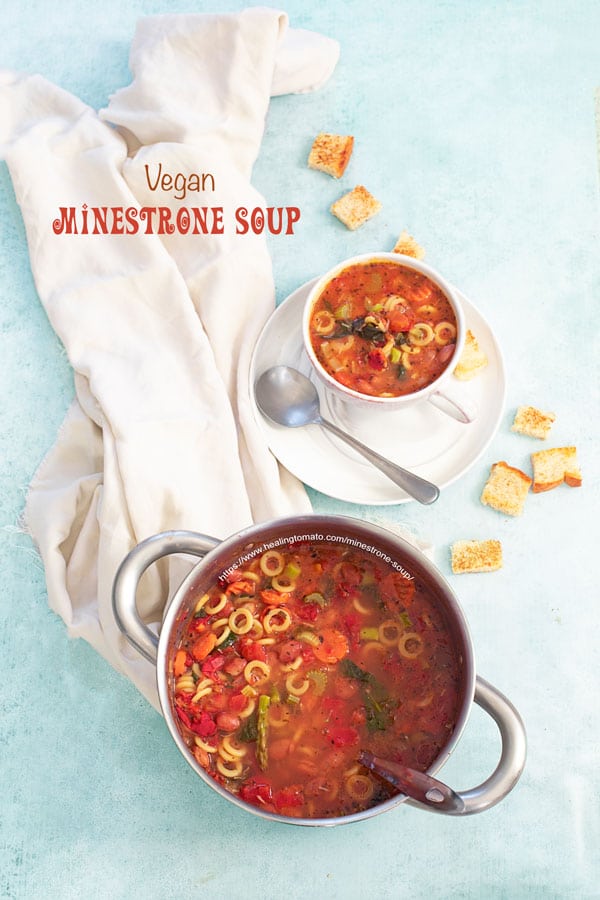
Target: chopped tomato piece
[(343, 736), (400, 320), (204, 726), (251, 650), (257, 792), (211, 666), (377, 360), (333, 646), (289, 797), (238, 702)]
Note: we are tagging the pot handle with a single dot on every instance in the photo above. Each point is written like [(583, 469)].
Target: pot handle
[(131, 570), (512, 758)]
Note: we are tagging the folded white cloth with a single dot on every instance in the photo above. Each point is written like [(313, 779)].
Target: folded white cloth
[(159, 329)]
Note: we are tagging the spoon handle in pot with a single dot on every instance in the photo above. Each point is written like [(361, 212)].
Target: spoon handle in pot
[(416, 785), (418, 488)]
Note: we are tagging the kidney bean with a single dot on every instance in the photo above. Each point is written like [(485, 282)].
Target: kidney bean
[(227, 721), (290, 650), (235, 666)]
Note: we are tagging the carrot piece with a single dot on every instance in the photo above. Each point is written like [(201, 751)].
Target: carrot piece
[(203, 646), (179, 664), (333, 646), (240, 587), (273, 598)]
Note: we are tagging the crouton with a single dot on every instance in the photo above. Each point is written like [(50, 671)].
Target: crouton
[(356, 207), (407, 245), (472, 360), (533, 422), (552, 467), (506, 489), (331, 153), (476, 556)]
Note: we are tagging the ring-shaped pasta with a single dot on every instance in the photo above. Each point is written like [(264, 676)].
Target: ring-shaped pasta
[(256, 631), (295, 664), (308, 767), (231, 769), (272, 562), (427, 310), (405, 360), (421, 334), (279, 715), (241, 627), (373, 645), (208, 748), (215, 606), (200, 693), (265, 641), (359, 787), (283, 585), (344, 343), (201, 602), (185, 684), (296, 689), (412, 351), (359, 607), (256, 666), (353, 770), (224, 754), (245, 713), (247, 575), (444, 333), (323, 322), (410, 652), (384, 633), (224, 635), (426, 701), (395, 300), (388, 346), (276, 620), (234, 750)]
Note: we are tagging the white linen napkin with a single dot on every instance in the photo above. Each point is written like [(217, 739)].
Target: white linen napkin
[(159, 329)]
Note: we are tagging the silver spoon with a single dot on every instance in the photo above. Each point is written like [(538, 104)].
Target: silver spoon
[(289, 398), (416, 785)]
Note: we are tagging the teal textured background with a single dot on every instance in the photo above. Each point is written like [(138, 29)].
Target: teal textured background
[(474, 126)]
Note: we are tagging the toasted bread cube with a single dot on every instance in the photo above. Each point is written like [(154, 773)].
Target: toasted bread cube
[(552, 467), (356, 207), (533, 422), (476, 556), (472, 360), (331, 153), (407, 245), (506, 489)]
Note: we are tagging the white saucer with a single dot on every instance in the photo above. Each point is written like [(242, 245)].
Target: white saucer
[(420, 438)]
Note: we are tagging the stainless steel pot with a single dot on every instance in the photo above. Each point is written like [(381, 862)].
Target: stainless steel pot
[(217, 557)]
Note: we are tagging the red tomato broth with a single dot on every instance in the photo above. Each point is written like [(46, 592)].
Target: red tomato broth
[(383, 329), (374, 669)]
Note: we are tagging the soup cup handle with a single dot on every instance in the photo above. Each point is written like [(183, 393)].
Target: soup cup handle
[(131, 570), (512, 758), (463, 412)]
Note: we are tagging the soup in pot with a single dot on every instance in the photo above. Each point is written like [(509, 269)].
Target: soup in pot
[(288, 667)]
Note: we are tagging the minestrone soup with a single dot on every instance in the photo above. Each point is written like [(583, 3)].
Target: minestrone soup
[(286, 669), (383, 329)]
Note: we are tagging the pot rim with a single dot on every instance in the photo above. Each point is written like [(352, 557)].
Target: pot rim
[(310, 521)]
